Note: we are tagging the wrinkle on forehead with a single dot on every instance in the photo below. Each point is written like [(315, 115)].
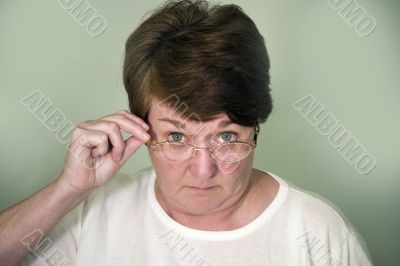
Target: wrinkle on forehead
[(162, 113)]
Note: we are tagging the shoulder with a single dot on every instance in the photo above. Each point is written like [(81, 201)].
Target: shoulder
[(309, 211), (324, 231), (315, 209), (315, 219), (320, 227)]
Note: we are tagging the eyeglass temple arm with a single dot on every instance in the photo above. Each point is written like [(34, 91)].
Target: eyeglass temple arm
[(257, 130)]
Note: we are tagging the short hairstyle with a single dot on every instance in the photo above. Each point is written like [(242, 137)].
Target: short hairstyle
[(212, 57)]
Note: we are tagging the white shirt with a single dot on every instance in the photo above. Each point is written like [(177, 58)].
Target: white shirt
[(122, 223)]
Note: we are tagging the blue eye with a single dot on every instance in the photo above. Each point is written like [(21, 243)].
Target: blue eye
[(227, 136), (175, 137)]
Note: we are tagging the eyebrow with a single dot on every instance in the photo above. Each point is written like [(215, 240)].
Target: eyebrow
[(179, 124), (225, 123), (176, 123)]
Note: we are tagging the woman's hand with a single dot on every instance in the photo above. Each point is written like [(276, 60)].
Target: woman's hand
[(97, 149)]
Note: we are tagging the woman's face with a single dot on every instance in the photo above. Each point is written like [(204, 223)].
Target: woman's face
[(198, 185)]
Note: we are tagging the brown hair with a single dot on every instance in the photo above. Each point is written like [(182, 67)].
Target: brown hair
[(212, 57)]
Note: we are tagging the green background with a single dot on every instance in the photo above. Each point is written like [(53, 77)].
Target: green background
[(313, 50)]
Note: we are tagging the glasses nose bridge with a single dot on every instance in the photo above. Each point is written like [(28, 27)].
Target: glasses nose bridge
[(195, 149)]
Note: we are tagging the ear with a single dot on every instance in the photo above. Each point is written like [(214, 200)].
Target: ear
[(256, 132)]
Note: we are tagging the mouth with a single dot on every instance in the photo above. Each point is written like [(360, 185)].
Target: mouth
[(202, 188)]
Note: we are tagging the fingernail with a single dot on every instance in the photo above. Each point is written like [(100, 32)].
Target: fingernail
[(146, 136)]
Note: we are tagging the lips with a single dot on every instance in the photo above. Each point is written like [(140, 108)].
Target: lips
[(202, 188)]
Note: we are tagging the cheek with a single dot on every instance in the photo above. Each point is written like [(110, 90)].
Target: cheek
[(166, 166), (169, 174), (237, 168), (236, 174)]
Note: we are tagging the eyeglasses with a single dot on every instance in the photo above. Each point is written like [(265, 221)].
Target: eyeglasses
[(227, 152)]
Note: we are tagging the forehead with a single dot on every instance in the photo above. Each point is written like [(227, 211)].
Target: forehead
[(162, 114)]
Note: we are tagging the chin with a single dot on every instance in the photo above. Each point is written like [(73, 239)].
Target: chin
[(199, 206)]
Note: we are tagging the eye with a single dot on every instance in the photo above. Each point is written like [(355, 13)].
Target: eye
[(175, 137), (228, 136)]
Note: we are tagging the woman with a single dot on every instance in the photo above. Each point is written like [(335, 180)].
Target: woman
[(197, 78)]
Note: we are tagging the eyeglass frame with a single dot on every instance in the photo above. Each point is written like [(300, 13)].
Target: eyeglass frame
[(210, 148)]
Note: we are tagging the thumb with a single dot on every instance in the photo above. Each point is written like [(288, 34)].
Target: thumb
[(132, 144)]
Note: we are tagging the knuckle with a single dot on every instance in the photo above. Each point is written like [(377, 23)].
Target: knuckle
[(103, 138), (85, 124), (113, 126), (76, 133), (119, 116)]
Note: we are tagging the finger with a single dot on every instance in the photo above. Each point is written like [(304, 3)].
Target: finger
[(114, 136), (132, 144), (134, 118), (129, 126), (95, 141)]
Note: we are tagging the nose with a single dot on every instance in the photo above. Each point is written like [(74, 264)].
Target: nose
[(202, 165)]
